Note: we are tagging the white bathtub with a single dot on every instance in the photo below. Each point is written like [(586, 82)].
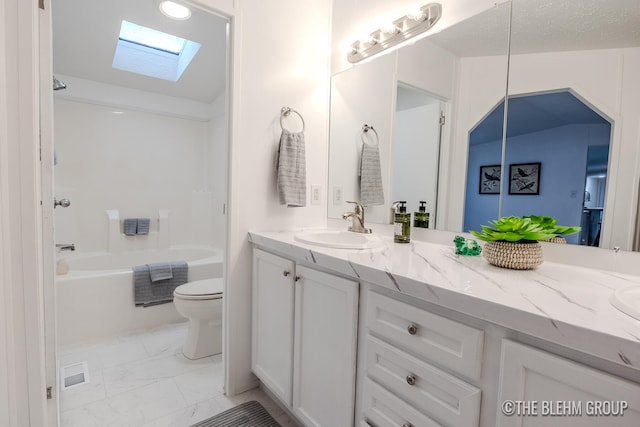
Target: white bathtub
[(95, 298)]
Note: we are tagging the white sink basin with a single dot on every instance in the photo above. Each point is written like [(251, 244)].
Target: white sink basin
[(627, 300), (338, 239)]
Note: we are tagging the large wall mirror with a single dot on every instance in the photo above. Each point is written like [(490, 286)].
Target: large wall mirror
[(574, 107), (573, 135), (421, 100)]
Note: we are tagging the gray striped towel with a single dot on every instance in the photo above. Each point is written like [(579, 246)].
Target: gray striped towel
[(160, 271), (143, 226), (130, 226), (370, 176), (148, 293), (291, 168)]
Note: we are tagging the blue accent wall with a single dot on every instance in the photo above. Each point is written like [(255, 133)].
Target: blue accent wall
[(480, 208)]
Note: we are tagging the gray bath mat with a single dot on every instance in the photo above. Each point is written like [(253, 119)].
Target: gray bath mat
[(248, 414)]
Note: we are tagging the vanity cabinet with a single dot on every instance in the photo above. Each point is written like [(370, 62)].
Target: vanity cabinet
[(416, 366), (304, 338), (560, 392)]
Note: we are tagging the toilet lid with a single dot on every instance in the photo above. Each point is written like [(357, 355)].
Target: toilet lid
[(200, 288)]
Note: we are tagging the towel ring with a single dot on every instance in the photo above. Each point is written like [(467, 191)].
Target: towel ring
[(365, 129), (285, 112)]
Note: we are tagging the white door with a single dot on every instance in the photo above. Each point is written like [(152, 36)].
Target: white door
[(540, 389), (48, 244), (272, 322), (325, 349)]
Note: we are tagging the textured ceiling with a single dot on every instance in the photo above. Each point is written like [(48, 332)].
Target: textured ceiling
[(546, 26), (85, 33), (542, 26)]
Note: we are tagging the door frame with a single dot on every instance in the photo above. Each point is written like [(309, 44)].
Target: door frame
[(26, 211), (23, 394)]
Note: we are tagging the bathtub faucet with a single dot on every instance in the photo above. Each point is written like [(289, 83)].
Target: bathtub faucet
[(66, 246)]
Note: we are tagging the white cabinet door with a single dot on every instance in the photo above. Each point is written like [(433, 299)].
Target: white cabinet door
[(540, 389), (272, 331), (325, 349)]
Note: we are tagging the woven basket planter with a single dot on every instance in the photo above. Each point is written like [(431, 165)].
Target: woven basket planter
[(513, 255), (557, 239)]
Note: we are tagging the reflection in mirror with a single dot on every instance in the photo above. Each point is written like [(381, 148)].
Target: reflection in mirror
[(416, 148), (460, 73), (547, 161), (576, 74)]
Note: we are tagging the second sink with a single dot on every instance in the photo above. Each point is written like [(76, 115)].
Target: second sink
[(627, 300)]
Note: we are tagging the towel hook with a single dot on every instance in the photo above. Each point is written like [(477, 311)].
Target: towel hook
[(285, 112), (365, 129)]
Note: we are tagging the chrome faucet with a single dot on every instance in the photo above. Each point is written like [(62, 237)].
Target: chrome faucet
[(357, 219), (66, 246)]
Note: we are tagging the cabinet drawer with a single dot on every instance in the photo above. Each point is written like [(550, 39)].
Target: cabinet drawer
[(441, 396), (583, 395), (445, 342), (383, 409)]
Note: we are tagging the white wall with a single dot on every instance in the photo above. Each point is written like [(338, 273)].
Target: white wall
[(137, 163), (365, 94), (282, 60)]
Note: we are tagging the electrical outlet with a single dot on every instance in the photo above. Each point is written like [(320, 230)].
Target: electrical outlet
[(316, 194), (337, 194)]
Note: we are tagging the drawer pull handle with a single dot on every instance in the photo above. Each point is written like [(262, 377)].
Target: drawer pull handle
[(297, 279), (286, 273), (407, 425), (411, 379), (412, 329)]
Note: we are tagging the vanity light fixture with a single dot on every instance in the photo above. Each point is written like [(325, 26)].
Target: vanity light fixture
[(415, 22), (174, 10)]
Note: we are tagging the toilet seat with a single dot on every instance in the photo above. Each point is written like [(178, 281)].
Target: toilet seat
[(200, 289)]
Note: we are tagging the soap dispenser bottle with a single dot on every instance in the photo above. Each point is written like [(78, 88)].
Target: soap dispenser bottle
[(421, 218), (402, 223)]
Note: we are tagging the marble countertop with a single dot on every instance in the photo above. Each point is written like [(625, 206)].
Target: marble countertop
[(561, 303)]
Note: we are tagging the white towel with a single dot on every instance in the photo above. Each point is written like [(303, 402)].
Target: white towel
[(370, 176), (291, 168)]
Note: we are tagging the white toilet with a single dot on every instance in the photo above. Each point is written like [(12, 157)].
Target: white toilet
[(201, 302)]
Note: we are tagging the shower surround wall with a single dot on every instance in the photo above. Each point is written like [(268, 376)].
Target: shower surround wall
[(138, 163)]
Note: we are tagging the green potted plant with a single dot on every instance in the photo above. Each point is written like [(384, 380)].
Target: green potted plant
[(551, 224), (513, 242)]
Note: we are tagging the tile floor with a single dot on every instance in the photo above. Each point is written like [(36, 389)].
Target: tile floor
[(143, 380)]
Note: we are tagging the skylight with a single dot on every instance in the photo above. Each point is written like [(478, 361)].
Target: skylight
[(144, 36), (152, 53)]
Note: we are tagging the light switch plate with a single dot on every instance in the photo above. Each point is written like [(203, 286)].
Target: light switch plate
[(337, 194), (316, 194)]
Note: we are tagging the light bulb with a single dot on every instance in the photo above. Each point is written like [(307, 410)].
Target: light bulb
[(174, 10), (415, 12), (389, 28)]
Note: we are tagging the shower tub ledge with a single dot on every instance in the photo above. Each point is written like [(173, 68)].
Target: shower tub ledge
[(95, 298)]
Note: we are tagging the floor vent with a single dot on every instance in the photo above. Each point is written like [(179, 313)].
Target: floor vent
[(74, 375)]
